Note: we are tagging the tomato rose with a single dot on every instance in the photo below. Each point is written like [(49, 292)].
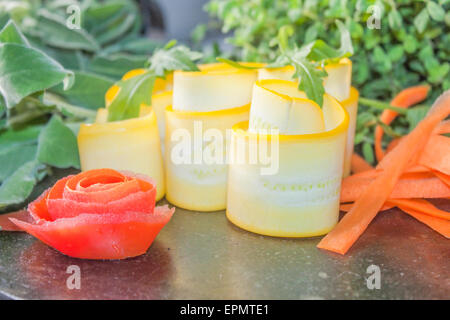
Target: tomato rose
[(98, 214)]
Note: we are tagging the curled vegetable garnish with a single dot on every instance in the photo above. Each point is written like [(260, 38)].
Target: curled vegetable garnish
[(98, 214)]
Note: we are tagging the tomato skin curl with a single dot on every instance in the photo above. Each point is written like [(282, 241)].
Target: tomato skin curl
[(91, 228)]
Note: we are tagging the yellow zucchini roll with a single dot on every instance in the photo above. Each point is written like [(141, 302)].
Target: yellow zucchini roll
[(132, 145), (206, 104), (160, 101), (196, 156), (217, 86), (337, 84), (285, 174), (351, 105)]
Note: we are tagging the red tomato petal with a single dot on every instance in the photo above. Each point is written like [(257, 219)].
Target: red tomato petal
[(57, 191), (103, 196), (99, 186), (38, 208), (101, 236), (136, 202), (92, 175)]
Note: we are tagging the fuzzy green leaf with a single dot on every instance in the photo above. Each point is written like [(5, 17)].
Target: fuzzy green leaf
[(17, 187), (24, 71), (58, 145), (173, 58)]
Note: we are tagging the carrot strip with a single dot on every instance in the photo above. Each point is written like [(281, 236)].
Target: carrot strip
[(347, 206), (366, 207), (443, 177), (392, 144), (444, 127), (420, 205), (7, 225), (358, 164), (405, 99), (436, 154), (411, 185), (440, 225)]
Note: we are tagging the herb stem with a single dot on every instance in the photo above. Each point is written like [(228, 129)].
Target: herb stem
[(381, 105)]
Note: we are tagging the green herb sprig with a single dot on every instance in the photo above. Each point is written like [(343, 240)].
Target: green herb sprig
[(135, 91), (308, 60)]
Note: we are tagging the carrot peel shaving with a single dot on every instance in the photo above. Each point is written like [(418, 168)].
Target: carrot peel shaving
[(365, 208), (405, 99), (358, 164)]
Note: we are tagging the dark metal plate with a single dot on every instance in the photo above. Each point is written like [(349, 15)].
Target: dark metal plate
[(203, 256)]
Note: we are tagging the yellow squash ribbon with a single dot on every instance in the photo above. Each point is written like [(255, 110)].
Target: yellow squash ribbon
[(337, 84), (205, 105), (301, 197), (132, 145)]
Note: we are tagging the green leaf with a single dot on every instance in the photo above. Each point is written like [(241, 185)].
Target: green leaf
[(438, 72), (115, 66), (236, 65), (310, 79), (19, 185), (11, 34), (69, 59), (410, 44), (10, 138), (421, 21), (53, 31), (133, 45), (396, 53), (283, 37), (346, 48), (436, 11), (367, 151), (67, 109), (88, 90), (57, 145), (199, 32), (101, 12), (173, 58), (415, 115), (395, 19), (381, 59), (24, 71), (14, 157), (133, 92), (321, 51), (115, 28)]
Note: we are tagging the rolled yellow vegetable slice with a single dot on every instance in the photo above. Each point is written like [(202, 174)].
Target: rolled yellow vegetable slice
[(217, 86), (351, 105), (280, 105), (205, 105), (160, 101), (337, 84), (296, 193), (195, 182), (132, 145)]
